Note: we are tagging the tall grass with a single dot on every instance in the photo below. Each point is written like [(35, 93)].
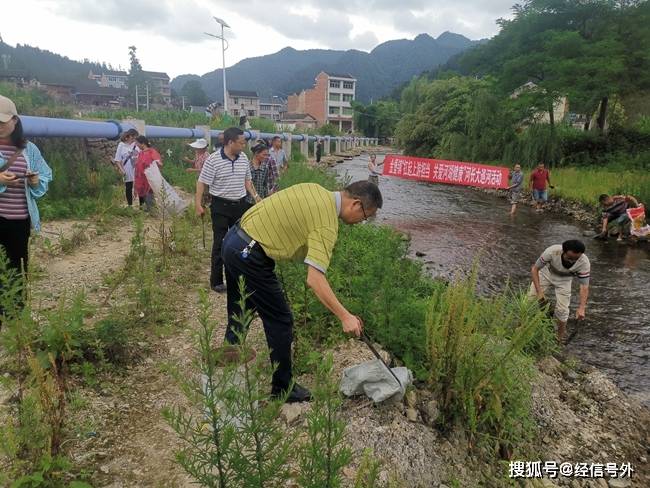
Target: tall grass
[(586, 184), (481, 360), (81, 185)]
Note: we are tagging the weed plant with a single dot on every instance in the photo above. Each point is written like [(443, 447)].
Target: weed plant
[(481, 361), (238, 440), (36, 356), (324, 455)]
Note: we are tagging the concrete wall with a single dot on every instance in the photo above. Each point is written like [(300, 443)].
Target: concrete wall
[(316, 99), (312, 101)]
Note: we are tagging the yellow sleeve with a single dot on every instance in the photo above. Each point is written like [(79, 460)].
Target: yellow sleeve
[(320, 244)]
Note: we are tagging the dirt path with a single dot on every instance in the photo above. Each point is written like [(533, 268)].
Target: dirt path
[(92, 255), (124, 440)]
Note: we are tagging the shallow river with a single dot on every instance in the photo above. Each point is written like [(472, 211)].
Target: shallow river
[(455, 225)]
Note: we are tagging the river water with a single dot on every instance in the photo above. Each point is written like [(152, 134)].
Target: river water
[(453, 226)]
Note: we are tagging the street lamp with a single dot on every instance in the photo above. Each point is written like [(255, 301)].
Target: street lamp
[(223, 57)]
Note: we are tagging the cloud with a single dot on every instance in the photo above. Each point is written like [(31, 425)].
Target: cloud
[(331, 26), (328, 25), (170, 19), (367, 40)]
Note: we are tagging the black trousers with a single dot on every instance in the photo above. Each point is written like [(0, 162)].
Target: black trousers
[(225, 213), (14, 241), (266, 298), (128, 189)]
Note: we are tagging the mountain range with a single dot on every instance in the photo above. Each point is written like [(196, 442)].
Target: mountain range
[(378, 72)]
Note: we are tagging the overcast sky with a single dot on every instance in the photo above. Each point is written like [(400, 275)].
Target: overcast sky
[(169, 34)]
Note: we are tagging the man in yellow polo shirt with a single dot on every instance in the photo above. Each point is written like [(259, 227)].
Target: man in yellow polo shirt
[(299, 223)]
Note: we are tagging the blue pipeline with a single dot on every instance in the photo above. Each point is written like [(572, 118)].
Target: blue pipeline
[(111, 129)]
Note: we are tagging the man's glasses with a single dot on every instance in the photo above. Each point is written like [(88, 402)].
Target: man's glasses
[(365, 217)]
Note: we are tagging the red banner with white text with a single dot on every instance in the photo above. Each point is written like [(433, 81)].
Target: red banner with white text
[(450, 172)]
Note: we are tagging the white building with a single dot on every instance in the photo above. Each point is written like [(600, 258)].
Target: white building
[(341, 92), (272, 108), (243, 102)]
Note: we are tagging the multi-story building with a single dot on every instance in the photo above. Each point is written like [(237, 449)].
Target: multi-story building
[(329, 101), (272, 108), (110, 79), (242, 102), (159, 85)]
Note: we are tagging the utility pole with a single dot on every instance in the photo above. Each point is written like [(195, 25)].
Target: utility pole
[(183, 99), (146, 84), (224, 46), (137, 104)]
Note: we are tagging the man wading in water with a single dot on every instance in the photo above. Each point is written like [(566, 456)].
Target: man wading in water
[(554, 271)]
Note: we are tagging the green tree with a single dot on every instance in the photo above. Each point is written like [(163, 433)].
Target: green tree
[(136, 76), (193, 91), (378, 119), (589, 51)]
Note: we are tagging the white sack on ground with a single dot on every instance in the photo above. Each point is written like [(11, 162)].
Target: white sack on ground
[(375, 381), (164, 192)]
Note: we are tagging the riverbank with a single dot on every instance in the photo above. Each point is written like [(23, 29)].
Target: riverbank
[(115, 436), (573, 407)]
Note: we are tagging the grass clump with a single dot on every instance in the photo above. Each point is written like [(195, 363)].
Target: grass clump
[(585, 185), (481, 353)]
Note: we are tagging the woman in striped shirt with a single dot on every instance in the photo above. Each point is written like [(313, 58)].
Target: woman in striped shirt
[(24, 177)]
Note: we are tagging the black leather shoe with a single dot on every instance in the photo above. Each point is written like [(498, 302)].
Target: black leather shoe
[(298, 394), (220, 288)]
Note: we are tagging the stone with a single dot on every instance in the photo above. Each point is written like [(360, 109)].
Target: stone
[(589, 233), (549, 365), (431, 411), (104, 469), (290, 412), (420, 254), (601, 483), (643, 459), (575, 484), (412, 414), (619, 482), (411, 398), (570, 375)]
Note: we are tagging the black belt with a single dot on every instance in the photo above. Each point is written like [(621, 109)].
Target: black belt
[(243, 235), (225, 200)]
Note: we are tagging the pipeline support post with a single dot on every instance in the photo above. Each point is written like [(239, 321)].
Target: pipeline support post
[(337, 146), (304, 146), (286, 144), (327, 145), (206, 131)]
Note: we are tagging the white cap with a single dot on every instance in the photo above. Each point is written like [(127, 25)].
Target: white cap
[(199, 144), (7, 109)]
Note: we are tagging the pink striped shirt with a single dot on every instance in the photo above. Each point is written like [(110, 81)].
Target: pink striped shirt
[(13, 201)]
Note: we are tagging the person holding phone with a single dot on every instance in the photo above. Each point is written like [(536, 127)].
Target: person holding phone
[(125, 159), (24, 178)]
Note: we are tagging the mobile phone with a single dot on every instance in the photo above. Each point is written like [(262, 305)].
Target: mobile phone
[(31, 173)]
